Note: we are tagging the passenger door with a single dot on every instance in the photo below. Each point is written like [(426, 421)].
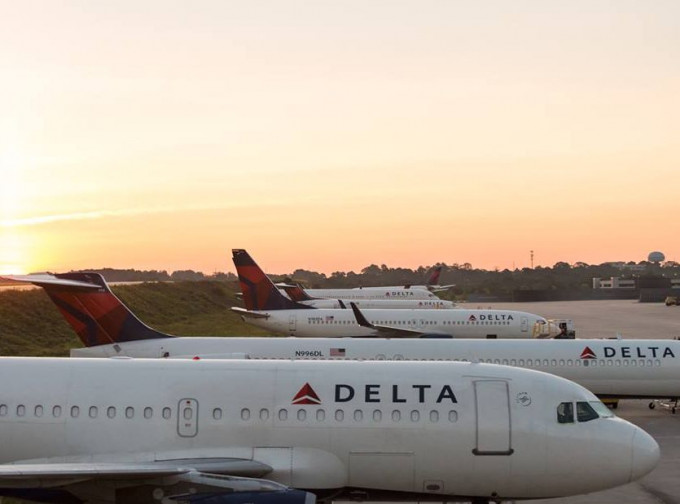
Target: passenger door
[(492, 406), (292, 324)]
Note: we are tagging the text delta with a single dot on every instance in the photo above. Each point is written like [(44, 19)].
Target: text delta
[(375, 393), (638, 352)]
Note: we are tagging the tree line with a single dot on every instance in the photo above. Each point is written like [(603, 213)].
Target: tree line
[(467, 279)]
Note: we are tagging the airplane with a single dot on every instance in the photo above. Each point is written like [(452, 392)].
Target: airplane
[(266, 307), (432, 283), (388, 293), (240, 431), (610, 368), (300, 295)]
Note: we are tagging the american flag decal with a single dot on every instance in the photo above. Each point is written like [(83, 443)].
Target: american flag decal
[(337, 352)]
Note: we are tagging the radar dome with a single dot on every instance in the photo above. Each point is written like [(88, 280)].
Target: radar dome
[(656, 257)]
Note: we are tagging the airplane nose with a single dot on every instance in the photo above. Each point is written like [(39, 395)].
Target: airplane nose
[(645, 454)]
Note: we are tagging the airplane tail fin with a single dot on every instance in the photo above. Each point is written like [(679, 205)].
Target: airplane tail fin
[(297, 293), (434, 277), (96, 315), (259, 292)]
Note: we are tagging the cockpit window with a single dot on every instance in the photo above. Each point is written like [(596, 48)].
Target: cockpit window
[(585, 412), (601, 409), (565, 413)]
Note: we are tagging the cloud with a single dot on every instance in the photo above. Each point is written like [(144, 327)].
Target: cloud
[(93, 215)]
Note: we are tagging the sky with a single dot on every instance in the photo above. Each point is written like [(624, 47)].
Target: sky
[(331, 135)]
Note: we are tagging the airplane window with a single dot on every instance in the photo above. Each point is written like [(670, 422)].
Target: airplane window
[(530, 362), (396, 416), (561, 362), (264, 414), (453, 416), (565, 413), (75, 411), (217, 414), (111, 412), (601, 409), (657, 362), (618, 363), (245, 414), (578, 363), (38, 411), (21, 410), (570, 362), (56, 411), (283, 414), (497, 361), (3, 409), (167, 413), (358, 415), (545, 362), (415, 416), (130, 412), (148, 412), (554, 362), (505, 362), (434, 416), (585, 412), (633, 363), (302, 415), (377, 415), (93, 412), (649, 362), (320, 415), (339, 415)]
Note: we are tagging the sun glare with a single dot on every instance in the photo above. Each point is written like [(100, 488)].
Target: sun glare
[(12, 246)]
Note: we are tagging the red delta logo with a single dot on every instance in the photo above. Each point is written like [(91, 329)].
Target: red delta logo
[(472, 318), (306, 395), (588, 354)]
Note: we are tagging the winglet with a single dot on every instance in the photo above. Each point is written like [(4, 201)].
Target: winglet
[(361, 320), (259, 292), (97, 316)]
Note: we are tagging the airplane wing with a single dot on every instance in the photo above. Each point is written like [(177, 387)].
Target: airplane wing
[(220, 480), (390, 331), (249, 313)]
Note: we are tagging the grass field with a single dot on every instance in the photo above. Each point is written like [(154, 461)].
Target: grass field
[(31, 325)]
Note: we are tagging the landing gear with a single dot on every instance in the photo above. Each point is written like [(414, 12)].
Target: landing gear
[(671, 404)]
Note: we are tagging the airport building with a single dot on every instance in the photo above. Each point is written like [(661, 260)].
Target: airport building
[(614, 283)]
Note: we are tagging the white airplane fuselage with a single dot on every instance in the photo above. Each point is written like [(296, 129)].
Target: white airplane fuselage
[(612, 368), (372, 293), (458, 323), (372, 304), (427, 428)]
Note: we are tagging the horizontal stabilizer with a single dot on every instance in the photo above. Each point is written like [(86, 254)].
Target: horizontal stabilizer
[(43, 280), (249, 314)]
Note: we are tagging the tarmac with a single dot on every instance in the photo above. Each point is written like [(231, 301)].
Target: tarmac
[(631, 320)]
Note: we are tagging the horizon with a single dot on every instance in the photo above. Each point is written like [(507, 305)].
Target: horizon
[(164, 134)]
